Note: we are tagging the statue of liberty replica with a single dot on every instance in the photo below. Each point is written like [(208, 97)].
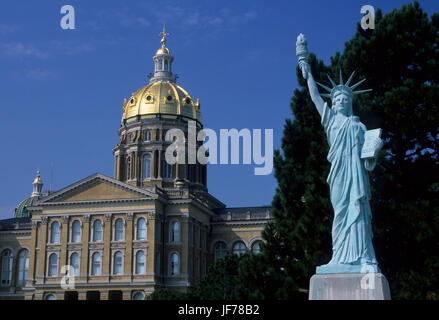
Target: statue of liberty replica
[(353, 270)]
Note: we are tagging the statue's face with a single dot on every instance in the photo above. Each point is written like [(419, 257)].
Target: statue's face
[(342, 103)]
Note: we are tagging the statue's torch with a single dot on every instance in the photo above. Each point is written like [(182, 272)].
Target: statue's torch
[(302, 50)]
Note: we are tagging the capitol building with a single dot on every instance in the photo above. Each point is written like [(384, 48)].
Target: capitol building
[(153, 225)]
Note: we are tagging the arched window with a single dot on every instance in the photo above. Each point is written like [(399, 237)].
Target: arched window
[(166, 65), (76, 231), (128, 167), (256, 248), (239, 248), (97, 230), (118, 230), (74, 262), (7, 262), (141, 229), (147, 135), (138, 296), (140, 262), (118, 266), (175, 232), (53, 265), (54, 232), (167, 170), (146, 168), (50, 297), (96, 264), (220, 250), (23, 267), (174, 265)]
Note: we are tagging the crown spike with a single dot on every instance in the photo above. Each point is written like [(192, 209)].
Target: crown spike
[(357, 84), (341, 78), (324, 87), (361, 91), (349, 80), (325, 95), (332, 81)]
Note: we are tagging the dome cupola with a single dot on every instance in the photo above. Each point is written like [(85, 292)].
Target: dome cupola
[(163, 62), (21, 210)]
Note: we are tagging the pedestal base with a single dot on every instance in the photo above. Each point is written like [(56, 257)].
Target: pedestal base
[(349, 286)]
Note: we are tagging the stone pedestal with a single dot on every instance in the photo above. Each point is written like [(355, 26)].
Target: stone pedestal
[(349, 286)]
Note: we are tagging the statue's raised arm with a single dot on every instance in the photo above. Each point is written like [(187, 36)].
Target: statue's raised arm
[(302, 54)]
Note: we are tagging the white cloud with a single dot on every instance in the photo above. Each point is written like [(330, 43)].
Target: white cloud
[(7, 29), (18, 49)]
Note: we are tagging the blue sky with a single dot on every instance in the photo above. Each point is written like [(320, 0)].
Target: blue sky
[(62, 90)]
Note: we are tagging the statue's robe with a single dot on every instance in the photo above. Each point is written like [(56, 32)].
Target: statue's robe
[(349, 189)]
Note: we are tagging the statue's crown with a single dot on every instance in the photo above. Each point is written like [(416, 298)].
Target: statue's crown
[(342, 87)]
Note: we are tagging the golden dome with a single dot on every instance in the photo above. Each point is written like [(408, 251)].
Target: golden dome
[(163, 50), (164, 98)]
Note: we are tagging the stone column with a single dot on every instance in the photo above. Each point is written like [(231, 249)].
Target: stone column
[(159, 162), (116, 167), (184, 245), (83, 268), (136, 166), (63, 259), (128, 259), (106, 259), (153, 166), (104, 294), (126, 295), (150, 234), (82, 295), (32, 254), (42, 255)]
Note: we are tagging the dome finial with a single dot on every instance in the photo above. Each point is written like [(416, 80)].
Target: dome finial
[(164, 34), (37, 185)]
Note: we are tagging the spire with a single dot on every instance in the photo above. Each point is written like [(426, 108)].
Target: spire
[(164, 34), (163, 62), (37, 185)]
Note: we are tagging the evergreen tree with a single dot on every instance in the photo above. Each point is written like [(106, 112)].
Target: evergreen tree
[(299, 237), (400, 59)]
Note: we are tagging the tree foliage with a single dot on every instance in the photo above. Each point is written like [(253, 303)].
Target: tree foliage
[(400, 59)]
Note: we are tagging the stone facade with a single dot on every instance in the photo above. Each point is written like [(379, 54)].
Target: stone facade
[(178, 222), (154, 225)]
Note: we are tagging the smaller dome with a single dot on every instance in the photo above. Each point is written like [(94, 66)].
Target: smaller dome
[(163, 50), (21, 209)]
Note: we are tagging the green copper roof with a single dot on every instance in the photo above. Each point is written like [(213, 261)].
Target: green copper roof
[(21, 209)]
